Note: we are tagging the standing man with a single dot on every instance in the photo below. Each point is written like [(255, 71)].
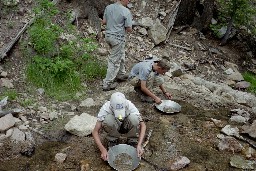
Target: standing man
[(118, 20), (147, 74), (120, 119)]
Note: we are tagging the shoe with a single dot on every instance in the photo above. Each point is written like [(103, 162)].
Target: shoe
[(122, 78), (110, 87)]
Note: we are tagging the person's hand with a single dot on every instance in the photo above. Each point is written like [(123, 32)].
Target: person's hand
[(140, 150), (168, 95), (104, 155), (158, 100)]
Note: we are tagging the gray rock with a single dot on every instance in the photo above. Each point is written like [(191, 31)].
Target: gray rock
[(6, 122), (157, 32), (251, 130), (241, 163), (81, 125), (17, 136)]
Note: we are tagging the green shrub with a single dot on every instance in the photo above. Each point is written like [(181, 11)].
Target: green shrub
[(63, 57), (251, 78), (12, 95)]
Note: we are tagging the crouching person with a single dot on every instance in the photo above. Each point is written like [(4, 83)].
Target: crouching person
[(120, 119)]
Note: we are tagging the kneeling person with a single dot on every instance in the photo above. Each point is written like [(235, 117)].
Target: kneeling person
[(119, 118), (147, 74)]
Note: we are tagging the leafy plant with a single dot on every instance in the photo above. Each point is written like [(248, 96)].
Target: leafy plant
[(12, 95), (251, 78), (26, 102), (236, 12), (63, 56)]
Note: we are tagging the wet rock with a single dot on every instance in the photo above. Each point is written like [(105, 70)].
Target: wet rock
[(251, 130), (180, 163), (60, 157), (81, 125), (241, 163)]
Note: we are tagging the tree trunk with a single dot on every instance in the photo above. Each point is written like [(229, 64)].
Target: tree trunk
[(226, 35)]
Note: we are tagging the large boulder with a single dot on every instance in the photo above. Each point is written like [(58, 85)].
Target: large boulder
[(81, 125)]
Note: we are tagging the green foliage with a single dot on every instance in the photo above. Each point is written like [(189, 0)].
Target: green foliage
[(43, 38), (63, 58), (26, 102), (12, 95), (56, 75), (251, 78), (241, 12)]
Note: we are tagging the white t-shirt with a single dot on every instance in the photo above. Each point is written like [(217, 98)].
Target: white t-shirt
[(129, 110)]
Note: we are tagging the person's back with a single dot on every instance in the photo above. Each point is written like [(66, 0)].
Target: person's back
[(117, 17)]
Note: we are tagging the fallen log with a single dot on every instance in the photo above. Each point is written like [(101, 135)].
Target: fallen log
[(8, 47)]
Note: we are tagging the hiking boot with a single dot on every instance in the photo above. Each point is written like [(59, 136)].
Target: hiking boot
[(122, 78), (109, 87)]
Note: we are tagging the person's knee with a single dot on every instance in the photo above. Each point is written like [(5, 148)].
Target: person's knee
[(109, 121), (134, 119), (159, 81)]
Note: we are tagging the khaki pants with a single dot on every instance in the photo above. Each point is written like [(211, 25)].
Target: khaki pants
[(116, 60), (153, 81), (112, 127)]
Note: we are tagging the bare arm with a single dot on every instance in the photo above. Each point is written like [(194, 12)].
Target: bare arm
[(96, 136), (168, 95), (104, 21), (148, 92), (141, 137)]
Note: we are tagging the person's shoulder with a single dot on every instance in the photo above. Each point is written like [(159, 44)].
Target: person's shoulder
[(106, 105)]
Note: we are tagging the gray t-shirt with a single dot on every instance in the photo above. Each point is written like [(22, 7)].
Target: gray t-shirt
[(118, 18), (142, 70)]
